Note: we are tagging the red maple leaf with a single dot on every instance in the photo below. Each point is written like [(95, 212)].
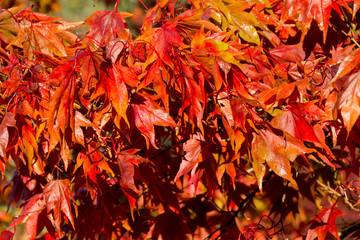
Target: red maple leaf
[(324, 222)]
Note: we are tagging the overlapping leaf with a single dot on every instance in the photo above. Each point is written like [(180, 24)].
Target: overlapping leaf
[(126, 161), (306, 11), (42, 37), (7, 121), (30, 215), (161, 41), (61, 114), (93, 163), (8, 25), (246, 23), (231, 93), (192, 147), (324, 222), (349, 101), (56, 197), (147, 114), (277, 152), (107, 25)]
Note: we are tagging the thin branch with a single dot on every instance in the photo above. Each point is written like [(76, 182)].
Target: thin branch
[(242, 205), (330, 190)]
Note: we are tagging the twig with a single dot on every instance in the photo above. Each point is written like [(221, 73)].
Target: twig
[(242, 205), (330, 190)]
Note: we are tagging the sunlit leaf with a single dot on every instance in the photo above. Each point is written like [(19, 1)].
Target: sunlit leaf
[(147, 114), (57, 196), (349, 101), (277, 151), (107, 25), (324, 222)]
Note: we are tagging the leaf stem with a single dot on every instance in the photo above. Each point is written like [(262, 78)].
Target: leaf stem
[(147, 9), (116, 6)]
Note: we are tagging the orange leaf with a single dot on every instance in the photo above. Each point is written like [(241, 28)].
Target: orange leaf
[(307, 10), (277, 151), (43, 37), (349, 101), (350, 63), (92, 161), (157, 75), (9, 28), (162, 40), (61, 114)]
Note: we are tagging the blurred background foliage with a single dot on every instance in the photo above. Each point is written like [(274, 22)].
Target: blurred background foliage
[(79, 10), (71, 9)]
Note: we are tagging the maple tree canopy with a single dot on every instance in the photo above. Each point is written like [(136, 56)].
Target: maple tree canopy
[(221, 119)]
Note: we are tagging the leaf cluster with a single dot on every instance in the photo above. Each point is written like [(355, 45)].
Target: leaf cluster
[(223, 119)]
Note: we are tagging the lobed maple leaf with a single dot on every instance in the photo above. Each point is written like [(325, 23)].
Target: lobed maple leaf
[(92, 162), (300, 129), (56, 196), (116, 88), (203, 46), (295, 125), (43, 37), (161, 41), (324, 222), (285, 93), (306, 11), (61, 114), (107, 25), (146, 114), (89, 67), (277, 152), (126, 161), (30, 214), (349, 101), (193, 156)]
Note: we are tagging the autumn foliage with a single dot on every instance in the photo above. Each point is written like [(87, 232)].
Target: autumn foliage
[(224, 119)]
